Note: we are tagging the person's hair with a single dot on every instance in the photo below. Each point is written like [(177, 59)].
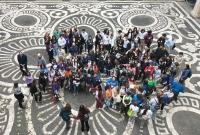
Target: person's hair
[(187, 66), (68, 107), (81, 108), (180, 53), (145, 111), (164, 35), (15, 85)]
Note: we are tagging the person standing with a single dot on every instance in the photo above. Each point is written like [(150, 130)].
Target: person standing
[(98, 39), (18, 95), (42, 82), (65, 114), (22, 60), (41, 61), (48, 44), (35, 91), (186, 73), (28, 79), (99, 97), (154, 106), (90, 43), (134, 109), (62, 42), (85, 37), (83, 115), (148, 38)]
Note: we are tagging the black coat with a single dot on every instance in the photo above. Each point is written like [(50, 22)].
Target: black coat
[(22, 59), (33, 89)]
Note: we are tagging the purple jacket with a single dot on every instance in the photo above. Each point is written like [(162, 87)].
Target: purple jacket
[(28, 79), (55, 86)]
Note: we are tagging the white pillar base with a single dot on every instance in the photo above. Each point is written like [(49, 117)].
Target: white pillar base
[(196, 10)]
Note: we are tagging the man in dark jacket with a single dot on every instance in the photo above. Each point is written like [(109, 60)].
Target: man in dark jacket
[(161, 40), (161, 52), (22, 60)]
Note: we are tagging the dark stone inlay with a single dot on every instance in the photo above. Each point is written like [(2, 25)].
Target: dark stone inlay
[(142, 20), (25, 20), (186, 123)]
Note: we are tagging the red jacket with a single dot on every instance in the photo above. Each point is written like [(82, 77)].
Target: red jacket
[(149, 69)]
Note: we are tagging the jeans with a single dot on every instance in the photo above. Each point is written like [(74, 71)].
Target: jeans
[(76, 87), (154, 111), (55, 51)]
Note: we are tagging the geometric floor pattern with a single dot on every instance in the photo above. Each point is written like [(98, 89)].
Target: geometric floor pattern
[(22, 27)]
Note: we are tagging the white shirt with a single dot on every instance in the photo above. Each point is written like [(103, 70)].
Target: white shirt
[(169, 42), (106, 39), (85, 36), (112, 41), (61, 42), (126, 42), (141, 35), (61, 52), (153, 102), (148, 115), (62, 73), (135, 109)]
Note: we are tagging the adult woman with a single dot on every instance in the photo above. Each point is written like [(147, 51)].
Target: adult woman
[(99, 98), (28, 79), (54, 45), (18, 95), (35, 91), (65, 114), (83, 115)]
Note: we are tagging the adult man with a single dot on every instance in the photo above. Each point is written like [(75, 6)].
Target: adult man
[(61, 42), (85, 37), (161, 40), (22, 60), (98, 39), (41, 61), (148, 38)]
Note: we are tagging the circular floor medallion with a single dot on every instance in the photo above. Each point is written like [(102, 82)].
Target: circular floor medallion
[(142, 20), (25, 20)]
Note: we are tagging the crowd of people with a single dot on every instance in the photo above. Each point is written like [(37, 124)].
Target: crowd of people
[(123, 71)]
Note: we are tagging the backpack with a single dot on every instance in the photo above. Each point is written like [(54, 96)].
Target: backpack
[(130, 113)]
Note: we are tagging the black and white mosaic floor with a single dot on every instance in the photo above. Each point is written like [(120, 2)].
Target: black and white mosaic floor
[(22, 27)]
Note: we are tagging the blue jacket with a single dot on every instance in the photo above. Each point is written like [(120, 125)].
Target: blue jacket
[(111, 82), (186, 74), (177, 87), (65, 115)]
